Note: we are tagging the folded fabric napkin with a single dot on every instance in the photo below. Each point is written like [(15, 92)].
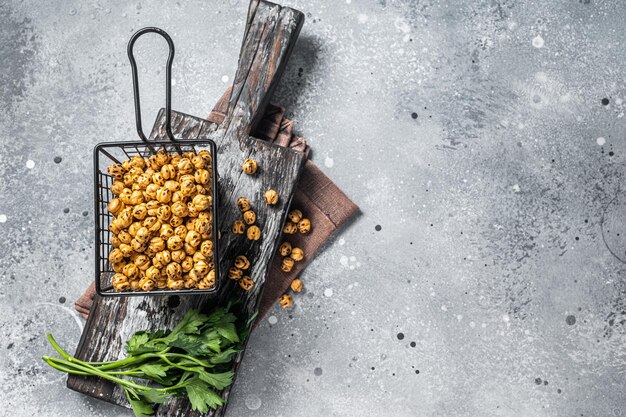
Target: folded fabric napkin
[(319, 199)]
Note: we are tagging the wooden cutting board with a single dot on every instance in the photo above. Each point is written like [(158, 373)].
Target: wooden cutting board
[(270, 35)]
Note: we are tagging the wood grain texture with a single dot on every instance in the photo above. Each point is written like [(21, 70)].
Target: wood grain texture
[(270, 35)]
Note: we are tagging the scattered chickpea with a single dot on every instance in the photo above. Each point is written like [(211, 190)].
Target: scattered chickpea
[(285, 249), (304, 226), (242, 262), (249, 166), (286, 301), (235, 273), (254, 233), (287, 264), (246, 283), (271, 197), (296, 285), (238, 227), (290, 228), (249, 217), (295, 215), (297, 254), (243, 204)]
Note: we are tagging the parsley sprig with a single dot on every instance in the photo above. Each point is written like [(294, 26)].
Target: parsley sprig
[(193, 360)]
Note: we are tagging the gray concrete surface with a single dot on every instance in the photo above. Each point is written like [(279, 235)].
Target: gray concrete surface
[(486, 275)]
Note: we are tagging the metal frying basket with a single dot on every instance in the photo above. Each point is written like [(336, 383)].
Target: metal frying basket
[(109, 153)]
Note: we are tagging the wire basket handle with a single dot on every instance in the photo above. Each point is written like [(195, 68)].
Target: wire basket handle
[(168, 81)]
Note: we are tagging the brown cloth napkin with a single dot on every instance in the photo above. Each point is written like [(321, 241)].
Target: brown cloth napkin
[(319, 199)]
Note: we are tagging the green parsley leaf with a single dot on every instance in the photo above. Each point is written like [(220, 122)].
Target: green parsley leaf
[(228, 332), (219, 381), (154, 370), (140, 408), (136, 342), (190, 324), (224, 357), (154, 396), (201, 396)]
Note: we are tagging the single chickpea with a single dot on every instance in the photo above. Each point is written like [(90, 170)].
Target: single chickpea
[(193, 238), (172, 185), (114, 227), (254, 233), (185, 166), (189, 249), (198, 256), (286, 301), (297, 254), (178, 255), (153, 272), (290, 228), (168, 172), (181, 232), (304, 226), (166, 231), (271, 197), (117, 187), (147, 285), (131, 271), (296, 285), (157, 244), (201, 225), (187, 187), (140, 212), (287, 264), (138, 246), (285, 249), (295, 215), (151, 191), (120, 282), (143, 181), (243, 204), (174, 243), (175, 284), (142, 262), (246, 283), (235, 273), (115, 241), (124, 237), (158, 179), (202, 202), (201, 268), (249, 217), (176, 221), (174, 270), (187, 264), (201, 176), (164, 195), (142, 235), (115, 206), (198, 162), (249, 166), (164, 213), (238, 227), (116, 256), (193, 211), (118, 267), (117, 171), (162, 158), (242, 262)]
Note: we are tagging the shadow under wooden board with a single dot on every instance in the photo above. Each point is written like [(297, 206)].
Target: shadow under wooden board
[(271, 31)]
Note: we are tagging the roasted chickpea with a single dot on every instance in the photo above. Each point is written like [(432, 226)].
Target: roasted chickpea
[(178, 255), (193, 238), (151, 191), (118, 267), (206, 283), (125, 196), (162, 158), (115, 206), (290, 228), (178, 196), (181, 232), (168, 172), (157, 244), (198, 162), (128, 179), (120, 282), (189, 282), (206, 248), (254, 233), (155, 227), (235, 273), (117, 187), (131, 271), (117, 171), (174, 270), (304, 226), (201, 176), (297, 254), (249, 166), (193, 211), (174, 243), (295, 215), (153, 272), (206, 155), (238, 227), (180, 209), (185, 166), (147, 284), (161, 284), (176, 221), (187, 187), (187, 264), (138, 246), (287, 264), (285, 249), (249, 217), (201, 190), (286, 301), (114, 227), (246, 283), (140, 212), (166, 231), (134, 284), (296, 285), (271, 197), (202, 202), (164, 195), (124, 237), (142, 262), (201, 268), (242, 262), (201, 225), (142, 235), (198, 256), (125, 218), (116, 256), (115, 241), (243, 204), (175, 284), (164, 213), (174, 159), (136, 197), (143, 181), (189, 248), (133, 228)]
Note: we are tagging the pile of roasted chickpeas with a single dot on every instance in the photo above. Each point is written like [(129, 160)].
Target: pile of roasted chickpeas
[(162, 225)]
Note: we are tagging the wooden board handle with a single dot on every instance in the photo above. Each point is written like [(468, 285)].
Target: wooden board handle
[(269, 38)]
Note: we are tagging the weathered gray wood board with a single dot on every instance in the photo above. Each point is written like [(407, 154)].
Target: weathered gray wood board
[(270, 35)]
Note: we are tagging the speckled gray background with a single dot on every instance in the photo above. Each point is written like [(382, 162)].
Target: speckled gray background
[(486, 274)]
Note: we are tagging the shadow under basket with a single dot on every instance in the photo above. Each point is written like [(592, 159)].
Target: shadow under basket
[(106, 154)]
